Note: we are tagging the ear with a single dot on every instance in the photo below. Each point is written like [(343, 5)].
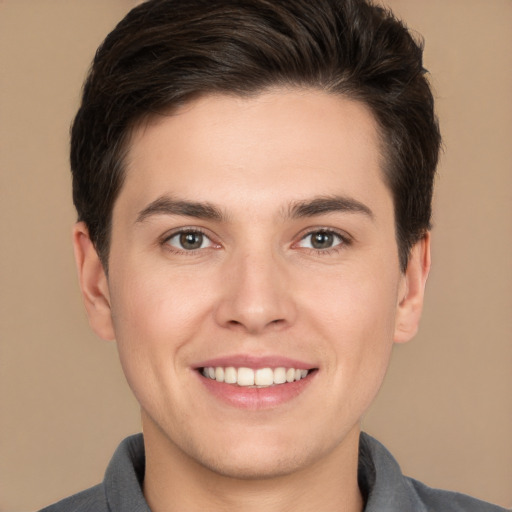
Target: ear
[(412, 291), (93, 283)]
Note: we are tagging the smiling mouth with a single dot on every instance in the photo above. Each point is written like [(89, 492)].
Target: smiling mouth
[(259, 378)]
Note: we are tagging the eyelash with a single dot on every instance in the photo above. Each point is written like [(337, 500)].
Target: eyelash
[(344, 241), (185, 231)]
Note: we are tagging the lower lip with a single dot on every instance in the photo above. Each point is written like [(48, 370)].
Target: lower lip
[(244, 397)]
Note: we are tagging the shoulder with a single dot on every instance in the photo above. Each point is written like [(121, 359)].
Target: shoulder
[(90, 500), (448, 501), (388, 490), (120, 490)]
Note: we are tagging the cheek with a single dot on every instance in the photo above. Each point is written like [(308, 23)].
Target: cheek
[(155, 317), (356, 313), (154, 304), (354, 302)]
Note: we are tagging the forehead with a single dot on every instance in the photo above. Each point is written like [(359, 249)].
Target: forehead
[(277, 145)]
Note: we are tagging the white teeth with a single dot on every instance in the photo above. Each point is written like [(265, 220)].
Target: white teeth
[(280, 375), (219, 374), (262, 377), (245, 377), (230, 375)]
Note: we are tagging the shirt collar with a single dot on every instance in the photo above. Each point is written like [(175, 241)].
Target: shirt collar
[(124, 477), (384, 487), (381, 479)]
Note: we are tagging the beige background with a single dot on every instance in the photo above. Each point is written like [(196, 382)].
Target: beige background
[(446, 407)]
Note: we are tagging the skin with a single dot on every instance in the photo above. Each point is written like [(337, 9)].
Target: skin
[(256, 287)]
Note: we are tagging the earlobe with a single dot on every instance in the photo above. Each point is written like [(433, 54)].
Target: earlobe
[(93, 283), (410, 303)]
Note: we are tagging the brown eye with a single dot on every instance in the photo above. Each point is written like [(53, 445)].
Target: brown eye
[(322, 240), (189, 240)]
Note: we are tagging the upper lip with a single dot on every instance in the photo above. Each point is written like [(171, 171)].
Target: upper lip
[(255, 362)]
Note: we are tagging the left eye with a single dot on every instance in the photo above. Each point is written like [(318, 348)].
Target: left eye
[(189, 240), (321, 240)]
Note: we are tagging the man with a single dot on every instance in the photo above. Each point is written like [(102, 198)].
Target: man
[(253, 182)]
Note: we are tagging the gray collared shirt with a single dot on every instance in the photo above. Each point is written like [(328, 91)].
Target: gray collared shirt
[(382, 483)]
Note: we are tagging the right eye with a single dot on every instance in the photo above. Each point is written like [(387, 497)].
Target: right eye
[(189, 240)]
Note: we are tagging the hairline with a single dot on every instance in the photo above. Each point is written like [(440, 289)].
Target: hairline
[(147, 118)]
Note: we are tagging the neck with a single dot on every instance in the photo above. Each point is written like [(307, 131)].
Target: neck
[(175, 482)]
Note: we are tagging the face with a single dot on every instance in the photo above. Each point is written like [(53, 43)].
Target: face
[(254, 287)]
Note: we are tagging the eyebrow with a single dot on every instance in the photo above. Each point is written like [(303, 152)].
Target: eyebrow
[(327, 204), (166, 205)]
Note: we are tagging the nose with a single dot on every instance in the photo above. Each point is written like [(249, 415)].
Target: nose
[(256, 294)]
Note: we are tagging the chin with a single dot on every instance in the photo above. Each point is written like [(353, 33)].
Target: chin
[(253, 464), (262, 453)]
